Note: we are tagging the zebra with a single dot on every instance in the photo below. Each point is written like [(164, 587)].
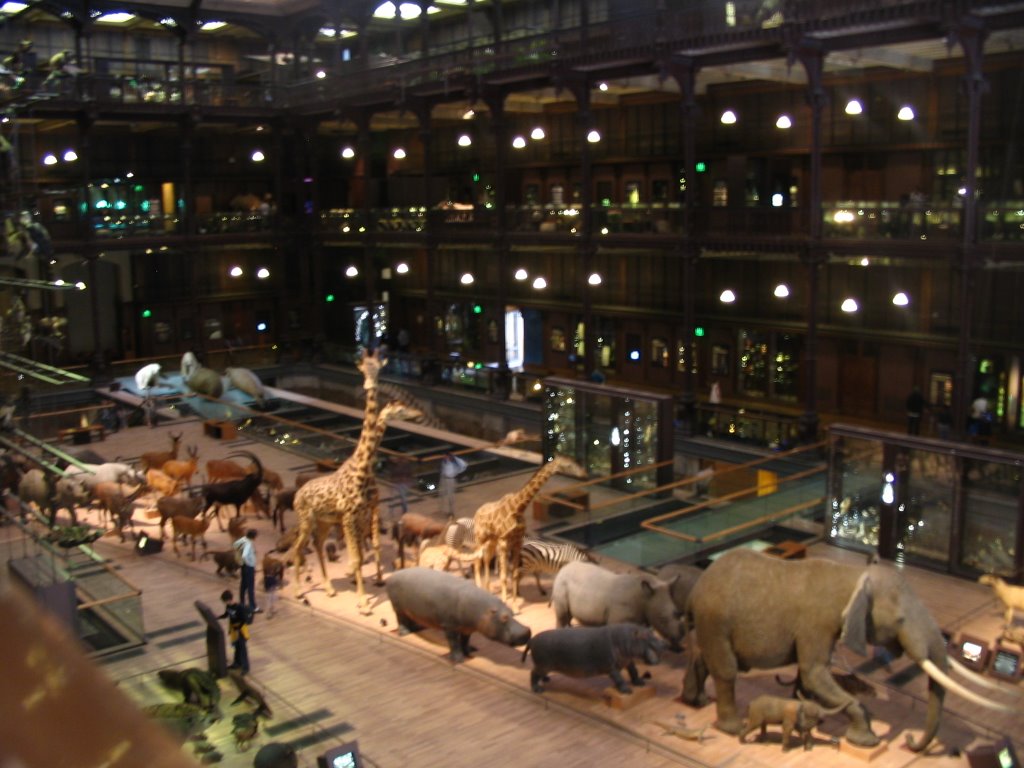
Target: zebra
[(547, 557), (457, 538)]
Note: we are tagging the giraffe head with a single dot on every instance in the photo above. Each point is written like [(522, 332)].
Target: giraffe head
[(568, 466), (370, 364), (396, 410)]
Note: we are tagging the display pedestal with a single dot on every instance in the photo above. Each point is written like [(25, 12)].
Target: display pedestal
[(867, 754), (616, 700), (220, 430), (788, 550)]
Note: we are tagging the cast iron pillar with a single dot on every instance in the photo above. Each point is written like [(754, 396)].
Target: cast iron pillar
[(684, 71), (812, 56), (495, 100), (971, 34), (579, 86)]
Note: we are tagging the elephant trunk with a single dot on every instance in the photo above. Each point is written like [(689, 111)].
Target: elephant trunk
[(936, 694)]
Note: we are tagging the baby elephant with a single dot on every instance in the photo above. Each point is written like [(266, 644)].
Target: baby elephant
[(798, 714), (590, 651)]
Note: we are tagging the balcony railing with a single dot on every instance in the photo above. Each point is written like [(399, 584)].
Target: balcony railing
[(855, 220)]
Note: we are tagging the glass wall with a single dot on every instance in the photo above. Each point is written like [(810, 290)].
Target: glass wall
[(610, 431), (951, 506)]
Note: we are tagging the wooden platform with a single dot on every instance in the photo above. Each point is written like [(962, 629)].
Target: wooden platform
[(333, 675)]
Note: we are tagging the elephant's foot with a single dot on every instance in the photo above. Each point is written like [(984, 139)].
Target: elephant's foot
[(731, 725), (697, 700), (861, 735)]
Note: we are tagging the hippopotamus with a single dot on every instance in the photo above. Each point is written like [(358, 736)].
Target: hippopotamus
[(423, 597), (590, 651), (596, 596), (248, 382)]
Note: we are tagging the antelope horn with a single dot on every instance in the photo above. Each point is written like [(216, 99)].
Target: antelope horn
[(981, 680), (950, 684)]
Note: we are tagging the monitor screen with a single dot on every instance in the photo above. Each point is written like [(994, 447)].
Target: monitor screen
[(971, 650), (1005, 662), (344, 756)]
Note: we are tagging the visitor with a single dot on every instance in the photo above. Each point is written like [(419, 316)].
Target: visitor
[(239, 619), (247, 550), (451, 467)]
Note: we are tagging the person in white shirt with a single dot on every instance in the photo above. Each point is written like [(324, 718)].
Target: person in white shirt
[(247, 587)]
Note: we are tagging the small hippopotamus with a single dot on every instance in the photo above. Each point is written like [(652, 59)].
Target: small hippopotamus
[(590, 651), (423, 597)]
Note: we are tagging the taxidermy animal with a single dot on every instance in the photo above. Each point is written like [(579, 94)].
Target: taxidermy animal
[(156, 459), (147, 377), (206, 381), (422, 597), (36, 486), (1014, 635), (594, 595), (248, 382), (249, 692), (108, 472), (754, 611), (189, 365), (197, 685), (592, 651), (225, 560), (792, 714), (175, 506), (1012, 597), (682, 732)]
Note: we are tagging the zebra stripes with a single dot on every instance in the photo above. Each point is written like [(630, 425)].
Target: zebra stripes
[(539, 557)]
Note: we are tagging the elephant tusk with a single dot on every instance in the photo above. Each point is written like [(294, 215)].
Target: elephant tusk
[(984, 682), (950, 684)]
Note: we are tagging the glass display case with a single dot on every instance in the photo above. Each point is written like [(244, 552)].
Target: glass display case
[(951, 506), (610, 431)]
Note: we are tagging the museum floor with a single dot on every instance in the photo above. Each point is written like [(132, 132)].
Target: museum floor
[(333, 675)]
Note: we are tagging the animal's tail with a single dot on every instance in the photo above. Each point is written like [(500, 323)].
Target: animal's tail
[(526, 651)]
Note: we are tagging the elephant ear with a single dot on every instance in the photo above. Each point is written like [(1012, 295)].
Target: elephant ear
[(855, 617)]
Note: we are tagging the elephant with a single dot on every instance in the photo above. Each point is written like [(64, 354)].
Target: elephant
[(751, 610), (792, 714)]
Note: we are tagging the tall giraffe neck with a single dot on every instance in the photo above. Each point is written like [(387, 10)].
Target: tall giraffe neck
[(366, 445), (524, 495)]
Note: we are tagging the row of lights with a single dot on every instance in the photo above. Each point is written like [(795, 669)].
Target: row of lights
[(853, 107), (849, 304), (236, 271)]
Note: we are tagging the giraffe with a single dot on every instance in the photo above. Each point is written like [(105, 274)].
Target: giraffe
[(342, 496), (499, 526)]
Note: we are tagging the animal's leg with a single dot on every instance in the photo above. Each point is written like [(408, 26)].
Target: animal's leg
[(503, 567), (536, 676), (375, 541), (355, 556), (693, 680), (323, 528), (540, 589), (634, 676), (295, 553), (620, 683), (818, 682)]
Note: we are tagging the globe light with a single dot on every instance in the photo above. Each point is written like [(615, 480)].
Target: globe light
[(727, 297), (728, 117)]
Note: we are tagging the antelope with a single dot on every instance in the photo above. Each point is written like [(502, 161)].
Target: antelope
[(187, 526), (175, 506), (161, 482), (219, 470), (183, 470), (156, 459), (117, 504)]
